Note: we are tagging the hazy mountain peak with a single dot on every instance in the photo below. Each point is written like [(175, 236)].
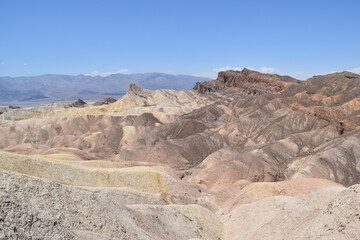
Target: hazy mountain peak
[(94, 86)]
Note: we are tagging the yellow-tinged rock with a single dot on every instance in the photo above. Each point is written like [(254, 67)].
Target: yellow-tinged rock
[(140, 178)]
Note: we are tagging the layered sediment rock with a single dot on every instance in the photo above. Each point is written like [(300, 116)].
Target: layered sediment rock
[(248, 155)]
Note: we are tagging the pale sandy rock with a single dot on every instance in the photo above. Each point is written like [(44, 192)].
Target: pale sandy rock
[(340, 220), (269, 218), (36, 208), (306, 189), (324, 213)]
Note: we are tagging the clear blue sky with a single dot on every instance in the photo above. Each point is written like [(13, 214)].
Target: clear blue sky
[(296, 37)]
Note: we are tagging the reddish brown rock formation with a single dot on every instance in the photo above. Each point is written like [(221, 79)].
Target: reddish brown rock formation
[(248, 81)]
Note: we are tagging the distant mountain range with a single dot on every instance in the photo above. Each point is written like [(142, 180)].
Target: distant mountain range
[(68, 87)]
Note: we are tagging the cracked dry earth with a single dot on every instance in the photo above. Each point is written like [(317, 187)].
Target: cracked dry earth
[(245, 156)]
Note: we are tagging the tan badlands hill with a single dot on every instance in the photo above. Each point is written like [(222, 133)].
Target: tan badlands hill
[(245, 156)]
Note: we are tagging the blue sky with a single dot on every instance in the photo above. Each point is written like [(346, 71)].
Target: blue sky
[(198, 37)]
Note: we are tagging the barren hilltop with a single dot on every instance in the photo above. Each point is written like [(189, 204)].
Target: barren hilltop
[(245, 156)]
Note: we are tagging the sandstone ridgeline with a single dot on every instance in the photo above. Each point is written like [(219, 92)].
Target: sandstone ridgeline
[(245, 156)]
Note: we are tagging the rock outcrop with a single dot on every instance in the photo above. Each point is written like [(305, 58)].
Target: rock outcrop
[(104, 101), (248, 81)]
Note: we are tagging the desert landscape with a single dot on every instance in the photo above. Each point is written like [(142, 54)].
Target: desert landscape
[(179, 120), (245, 156)]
